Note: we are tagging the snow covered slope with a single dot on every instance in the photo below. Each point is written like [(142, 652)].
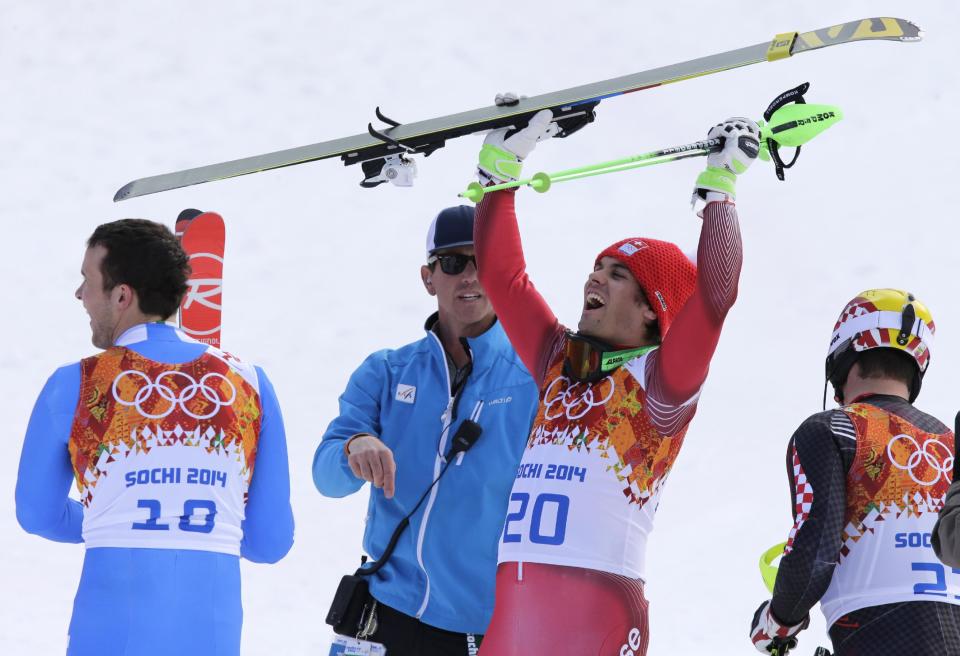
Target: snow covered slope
[(319, 272)]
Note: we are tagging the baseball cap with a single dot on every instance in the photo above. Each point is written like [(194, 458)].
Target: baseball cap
[(450, 228)]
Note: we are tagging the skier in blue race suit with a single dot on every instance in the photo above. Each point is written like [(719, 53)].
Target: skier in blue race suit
[(178, 453), (398, 417)]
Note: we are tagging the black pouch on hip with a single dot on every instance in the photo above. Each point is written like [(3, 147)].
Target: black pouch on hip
[(351, 606), (352, 612)]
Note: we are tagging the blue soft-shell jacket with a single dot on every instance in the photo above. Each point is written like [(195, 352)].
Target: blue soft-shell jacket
[(444, 566)]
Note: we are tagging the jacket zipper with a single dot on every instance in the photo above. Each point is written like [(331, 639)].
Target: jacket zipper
[(447, 418)]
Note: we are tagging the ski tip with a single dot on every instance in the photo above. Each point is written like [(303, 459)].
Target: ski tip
[(188, 214), (909, 31), (918, 32), (124, 192)]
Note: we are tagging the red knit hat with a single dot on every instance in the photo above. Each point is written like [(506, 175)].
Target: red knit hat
[(665, 274)]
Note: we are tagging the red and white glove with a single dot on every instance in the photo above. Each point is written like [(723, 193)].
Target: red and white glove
[(767, 633)]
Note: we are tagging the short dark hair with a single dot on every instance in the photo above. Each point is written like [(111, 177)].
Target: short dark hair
[(148, 257), (888, 363), (640, 298)]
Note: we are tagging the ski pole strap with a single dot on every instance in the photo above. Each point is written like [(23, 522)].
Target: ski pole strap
[(791, 95), (500, 161), (794, 95), (767, 569)]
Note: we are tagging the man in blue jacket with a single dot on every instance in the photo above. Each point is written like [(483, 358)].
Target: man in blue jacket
[(178, 454), (398, 416)]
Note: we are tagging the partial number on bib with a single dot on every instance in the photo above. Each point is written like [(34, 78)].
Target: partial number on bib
[(207, 507)]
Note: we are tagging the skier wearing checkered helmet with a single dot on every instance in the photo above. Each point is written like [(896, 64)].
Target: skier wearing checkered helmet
[(616, 399), (866, 482)]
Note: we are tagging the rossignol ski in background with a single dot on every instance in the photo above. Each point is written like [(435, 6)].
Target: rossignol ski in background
[(203, 236), (867, 480), (384, 154)]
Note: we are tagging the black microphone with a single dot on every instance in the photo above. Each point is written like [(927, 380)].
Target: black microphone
[(465, 437)]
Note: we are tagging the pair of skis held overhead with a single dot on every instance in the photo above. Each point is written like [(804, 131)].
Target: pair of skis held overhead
[(384, 154)]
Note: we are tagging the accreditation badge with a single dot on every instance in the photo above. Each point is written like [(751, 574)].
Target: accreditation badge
[(344, 646)]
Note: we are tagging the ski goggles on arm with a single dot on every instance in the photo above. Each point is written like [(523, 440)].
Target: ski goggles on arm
[(589, 360), (452, 264)]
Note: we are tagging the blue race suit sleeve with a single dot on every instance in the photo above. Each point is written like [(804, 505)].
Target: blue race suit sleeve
[(268, 527), (45, 475), (359, 413)]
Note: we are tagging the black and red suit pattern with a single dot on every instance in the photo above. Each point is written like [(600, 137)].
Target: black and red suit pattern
[(820, 456)]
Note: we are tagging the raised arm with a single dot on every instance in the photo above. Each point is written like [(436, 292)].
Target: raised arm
[(45, 475), (527, 319), (678, 369), (681, 364)]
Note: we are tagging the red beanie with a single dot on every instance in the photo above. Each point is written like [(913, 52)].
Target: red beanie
[(665, 274)]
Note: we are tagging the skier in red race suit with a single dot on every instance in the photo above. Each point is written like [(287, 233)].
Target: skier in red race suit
[(616, 398)]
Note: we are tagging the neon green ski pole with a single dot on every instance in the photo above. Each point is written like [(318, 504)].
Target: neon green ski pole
[(790, 125), (541, 182)]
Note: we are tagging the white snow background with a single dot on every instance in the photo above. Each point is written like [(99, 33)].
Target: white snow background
[(320, 272)]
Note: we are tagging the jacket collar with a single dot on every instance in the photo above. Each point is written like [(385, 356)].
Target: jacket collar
[(484, 349), (157, 331)]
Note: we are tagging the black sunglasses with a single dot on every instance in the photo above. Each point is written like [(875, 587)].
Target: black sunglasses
[(453, 264)]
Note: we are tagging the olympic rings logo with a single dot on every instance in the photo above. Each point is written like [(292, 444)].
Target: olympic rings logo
[(576, 400), (924, 454), (168, 394)]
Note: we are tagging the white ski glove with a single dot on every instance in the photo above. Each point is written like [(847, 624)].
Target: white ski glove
[(741, 144), (505, 149), (767, 632)]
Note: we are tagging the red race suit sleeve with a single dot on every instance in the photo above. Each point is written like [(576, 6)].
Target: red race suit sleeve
[(529, 322), (676, 371)]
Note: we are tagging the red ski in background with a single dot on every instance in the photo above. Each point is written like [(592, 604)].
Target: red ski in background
[(203, 237)]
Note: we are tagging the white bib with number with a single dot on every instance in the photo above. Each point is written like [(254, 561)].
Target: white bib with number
[(591, 476)]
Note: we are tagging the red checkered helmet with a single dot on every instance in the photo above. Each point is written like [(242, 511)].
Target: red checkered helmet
[(881, 318), (665, 274)]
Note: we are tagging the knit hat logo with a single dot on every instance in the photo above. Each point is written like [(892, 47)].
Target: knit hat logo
[(630, 248), (663, 301)]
